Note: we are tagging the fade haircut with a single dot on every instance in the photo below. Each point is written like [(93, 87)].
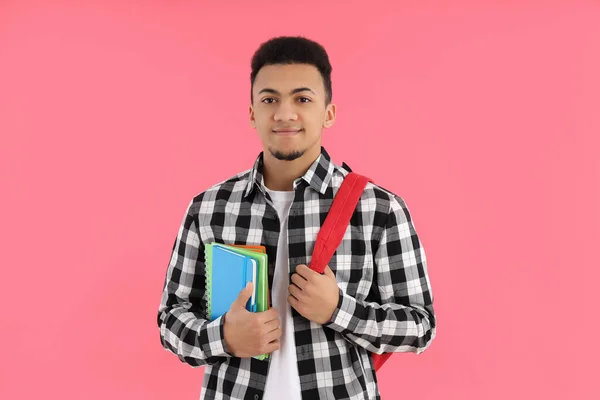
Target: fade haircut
[(292, 50)]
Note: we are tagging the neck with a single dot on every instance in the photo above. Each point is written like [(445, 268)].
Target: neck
[(280, 174)]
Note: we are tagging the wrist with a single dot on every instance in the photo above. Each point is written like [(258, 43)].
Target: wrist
[(333, 306), (226, 334), (336, 308)]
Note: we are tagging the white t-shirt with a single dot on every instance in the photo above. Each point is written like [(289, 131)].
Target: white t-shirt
[(283, 381)]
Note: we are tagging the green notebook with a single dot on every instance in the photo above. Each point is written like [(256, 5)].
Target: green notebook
[(262, 276)]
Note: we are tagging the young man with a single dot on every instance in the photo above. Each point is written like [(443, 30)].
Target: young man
[(375, 295)]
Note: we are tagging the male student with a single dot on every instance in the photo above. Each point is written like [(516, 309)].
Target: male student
[(375, 295)]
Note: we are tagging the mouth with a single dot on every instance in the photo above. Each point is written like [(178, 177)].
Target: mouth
[(286, 132)]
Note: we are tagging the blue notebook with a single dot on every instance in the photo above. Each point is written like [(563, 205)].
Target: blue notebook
[(227, 274)]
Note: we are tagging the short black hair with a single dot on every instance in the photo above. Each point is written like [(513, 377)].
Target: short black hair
[(292, 50)]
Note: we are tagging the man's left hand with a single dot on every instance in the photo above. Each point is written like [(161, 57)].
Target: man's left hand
[(313, 295)]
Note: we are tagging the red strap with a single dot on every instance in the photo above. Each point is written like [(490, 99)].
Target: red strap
[(332, 232), (380, 359)]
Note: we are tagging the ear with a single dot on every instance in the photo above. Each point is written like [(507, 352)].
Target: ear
[(251, 116), (329, 116)]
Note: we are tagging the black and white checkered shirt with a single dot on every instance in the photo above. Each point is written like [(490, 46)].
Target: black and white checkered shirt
[(386, 303)]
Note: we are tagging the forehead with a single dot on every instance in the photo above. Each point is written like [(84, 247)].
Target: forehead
[(285, 78)]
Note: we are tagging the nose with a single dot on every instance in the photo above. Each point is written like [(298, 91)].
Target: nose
[(285, 112)]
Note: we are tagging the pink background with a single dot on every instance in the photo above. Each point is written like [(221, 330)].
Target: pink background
[(484, 118)]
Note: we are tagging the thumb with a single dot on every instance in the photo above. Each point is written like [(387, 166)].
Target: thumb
[(329, 272), (244, 295)]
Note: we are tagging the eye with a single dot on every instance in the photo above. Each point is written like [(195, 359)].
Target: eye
[(268, 100), (302, 99)]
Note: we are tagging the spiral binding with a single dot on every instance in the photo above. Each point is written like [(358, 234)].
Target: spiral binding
[(208, 279)]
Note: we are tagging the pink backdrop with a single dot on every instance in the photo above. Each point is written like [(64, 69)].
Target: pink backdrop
[(484, 118)]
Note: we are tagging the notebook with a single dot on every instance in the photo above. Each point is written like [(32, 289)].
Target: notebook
[(261, 283), (227, 274), (259, 249)]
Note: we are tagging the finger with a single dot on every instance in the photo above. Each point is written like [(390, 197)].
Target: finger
[(299, 281), (293, 302), (273, 335), (296, 292), (329, 272), (304, 271), (269, 315), (272, 346), (244, 296), (272, 325)]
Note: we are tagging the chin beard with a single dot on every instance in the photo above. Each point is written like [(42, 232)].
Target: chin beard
[(286, 156)]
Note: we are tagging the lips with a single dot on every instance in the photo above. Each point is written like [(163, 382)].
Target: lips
[(286, 131)]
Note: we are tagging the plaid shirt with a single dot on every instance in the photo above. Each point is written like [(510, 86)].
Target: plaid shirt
[(385, 304)]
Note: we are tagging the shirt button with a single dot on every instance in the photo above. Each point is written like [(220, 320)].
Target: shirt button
[(255, 397)]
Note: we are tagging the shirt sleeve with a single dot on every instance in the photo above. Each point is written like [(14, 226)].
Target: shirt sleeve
[(403, 320), (184, 329)]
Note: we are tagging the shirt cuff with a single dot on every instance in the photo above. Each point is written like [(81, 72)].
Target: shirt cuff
[(343, 320), (215, 345)]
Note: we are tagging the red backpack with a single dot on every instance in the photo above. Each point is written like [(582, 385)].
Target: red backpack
[(331, 233)]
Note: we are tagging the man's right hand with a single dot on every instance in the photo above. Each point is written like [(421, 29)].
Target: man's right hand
[(249, 334)]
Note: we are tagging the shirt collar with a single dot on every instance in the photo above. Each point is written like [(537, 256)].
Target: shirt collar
[(317, 176)]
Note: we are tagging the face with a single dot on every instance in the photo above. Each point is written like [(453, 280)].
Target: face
[(289, 111)]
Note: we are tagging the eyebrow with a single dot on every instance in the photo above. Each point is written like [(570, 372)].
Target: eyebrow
[(297, 90)]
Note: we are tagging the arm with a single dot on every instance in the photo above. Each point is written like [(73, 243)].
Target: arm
[(405, 320), (184, 329)]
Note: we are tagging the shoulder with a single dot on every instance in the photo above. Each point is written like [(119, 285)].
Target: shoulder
[(382, 199), (220, 193)]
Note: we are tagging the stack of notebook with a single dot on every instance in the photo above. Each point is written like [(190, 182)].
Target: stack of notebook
[(228, 269)]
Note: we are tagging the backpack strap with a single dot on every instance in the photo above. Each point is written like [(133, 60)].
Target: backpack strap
[(332, 232)]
